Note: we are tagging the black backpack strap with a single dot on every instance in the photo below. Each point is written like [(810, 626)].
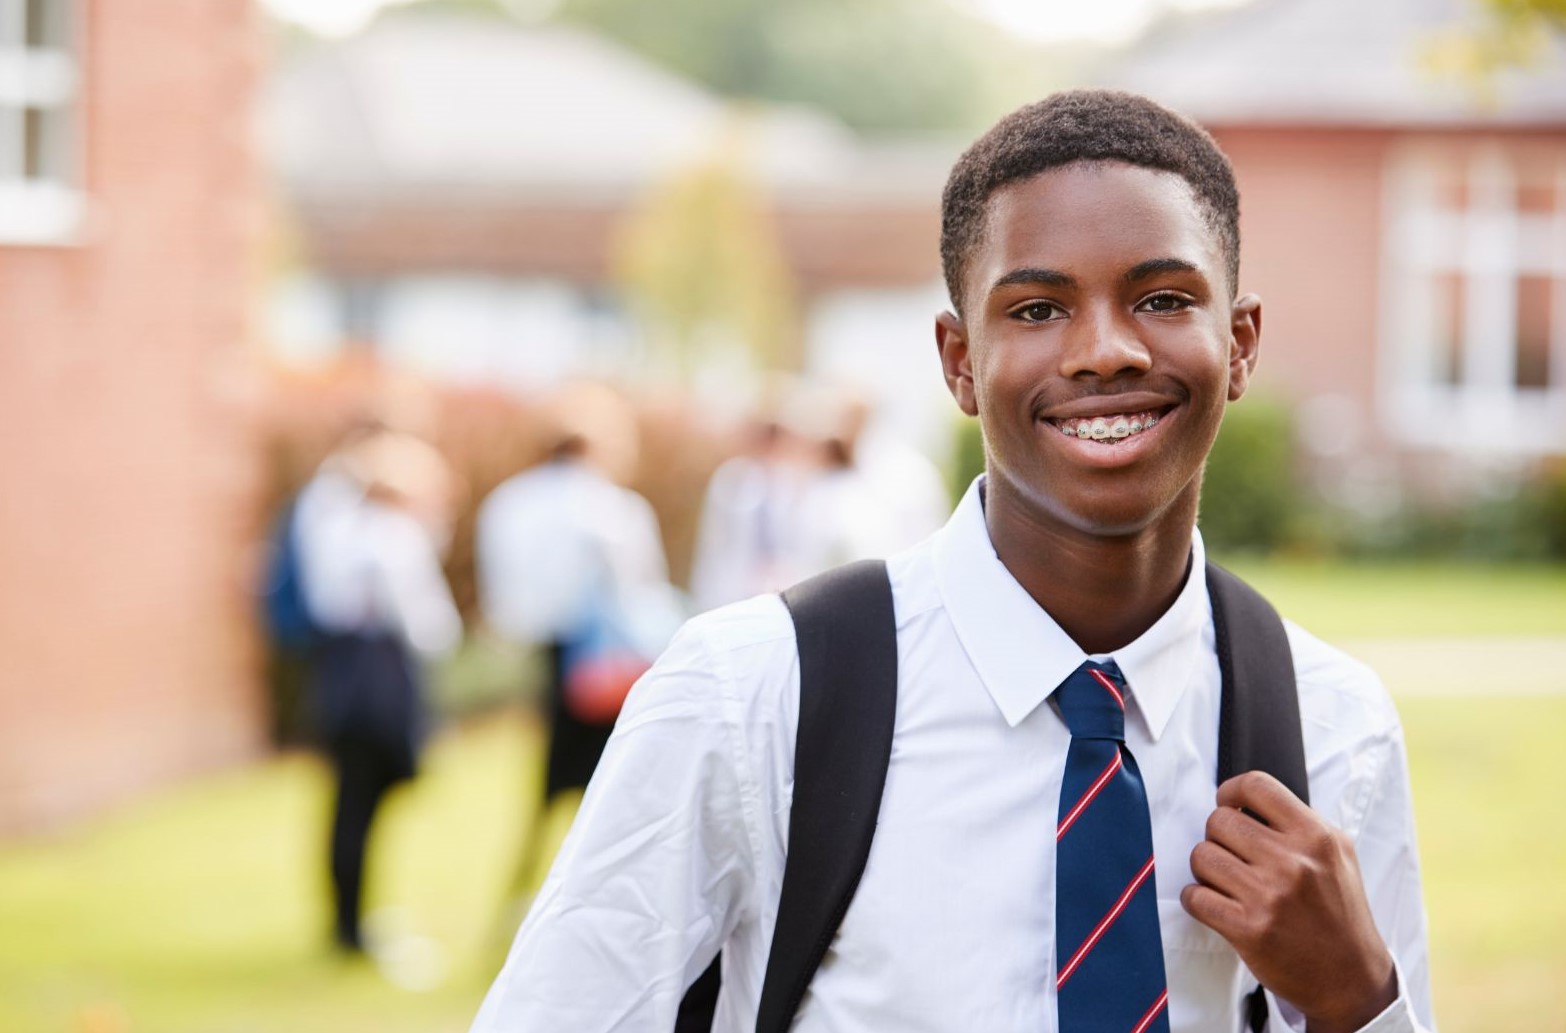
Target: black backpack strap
[(1259, 715), (846, 632), (1259, 718)]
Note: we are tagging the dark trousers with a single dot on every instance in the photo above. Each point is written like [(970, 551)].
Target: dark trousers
[(370, 712), (363, 777), (574, 745), (572, 753)]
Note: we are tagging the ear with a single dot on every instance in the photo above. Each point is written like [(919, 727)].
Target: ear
[(951, 340), (1244, 342)]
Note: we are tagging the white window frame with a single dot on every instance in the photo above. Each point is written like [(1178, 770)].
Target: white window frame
[(37, 210), (1489, 245)]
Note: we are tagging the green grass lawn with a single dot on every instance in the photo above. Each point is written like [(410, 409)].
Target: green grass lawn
[(1412, 600), (204, 909)]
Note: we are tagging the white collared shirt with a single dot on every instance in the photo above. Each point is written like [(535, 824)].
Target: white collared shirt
[(366, 566), (680, 843), (554, 539)]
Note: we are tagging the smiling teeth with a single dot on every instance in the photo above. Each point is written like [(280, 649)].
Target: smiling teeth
[(1107, 428)]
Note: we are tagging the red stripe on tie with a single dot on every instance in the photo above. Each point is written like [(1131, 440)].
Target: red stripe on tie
[(1104, 924), (1152, 1013), (1087, 797), (1106, 683)]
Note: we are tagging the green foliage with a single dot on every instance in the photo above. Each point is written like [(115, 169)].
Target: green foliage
[(1251, 498), (701, 265), (877, 64), (880, 65), (1511, 34), (967, 456), (1523, 522)]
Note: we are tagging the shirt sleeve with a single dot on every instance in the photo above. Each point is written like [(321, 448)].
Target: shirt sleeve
[(1389, 865), (414, 586), (658, 868)]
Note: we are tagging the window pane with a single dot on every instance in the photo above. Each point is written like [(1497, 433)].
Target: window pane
[(1451, 311), (1536, 184), (48, 23), (12, 32), (46, 144), (1533, 330), (10, 142)]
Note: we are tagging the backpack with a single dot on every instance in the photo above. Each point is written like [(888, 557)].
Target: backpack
[(285, 614), (847, 640)]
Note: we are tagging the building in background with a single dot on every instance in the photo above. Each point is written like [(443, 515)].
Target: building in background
[(461, 187), (127, 209), (1407, 232)]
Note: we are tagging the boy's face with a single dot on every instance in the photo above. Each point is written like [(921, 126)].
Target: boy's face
[(1097, 304)]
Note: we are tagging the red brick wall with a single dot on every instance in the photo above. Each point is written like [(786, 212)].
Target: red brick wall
[(1310, 222), (126, 464)]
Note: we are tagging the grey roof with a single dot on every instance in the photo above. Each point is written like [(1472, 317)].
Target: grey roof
[(1339, 62), (430, 107)]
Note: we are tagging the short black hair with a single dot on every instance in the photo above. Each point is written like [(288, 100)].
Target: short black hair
[(1085, 126)]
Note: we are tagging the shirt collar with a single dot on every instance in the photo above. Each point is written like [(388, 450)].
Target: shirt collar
[(1019, 651)]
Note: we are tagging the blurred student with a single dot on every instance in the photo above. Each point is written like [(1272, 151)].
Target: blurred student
[(747, 520), (370, 527), (571, 562), (907, 483), (871, 495)]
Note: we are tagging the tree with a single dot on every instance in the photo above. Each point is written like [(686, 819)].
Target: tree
[(1512, 34), (702, 269)]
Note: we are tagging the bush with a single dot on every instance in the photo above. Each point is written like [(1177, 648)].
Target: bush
[(1251, 496), (1523, 522), (967, 457)]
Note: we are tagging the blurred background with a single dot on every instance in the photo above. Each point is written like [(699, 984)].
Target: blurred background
[(232, 232)]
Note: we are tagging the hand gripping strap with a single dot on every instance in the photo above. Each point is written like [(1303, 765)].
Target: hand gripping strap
[(1259, 717)]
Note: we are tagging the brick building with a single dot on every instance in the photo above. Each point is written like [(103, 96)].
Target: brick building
[(127, 217)]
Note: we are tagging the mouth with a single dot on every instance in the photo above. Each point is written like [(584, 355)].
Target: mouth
[(1110, 429)]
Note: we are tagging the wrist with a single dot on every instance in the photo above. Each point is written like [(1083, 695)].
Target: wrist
[(1356, 1011)]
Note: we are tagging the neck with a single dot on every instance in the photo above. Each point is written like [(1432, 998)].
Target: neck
[(1103, 590)]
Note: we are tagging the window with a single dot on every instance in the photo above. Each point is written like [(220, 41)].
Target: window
[(1474, 302), (39, 182)]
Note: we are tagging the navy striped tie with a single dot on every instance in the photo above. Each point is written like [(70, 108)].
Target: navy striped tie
[(1109, 967)]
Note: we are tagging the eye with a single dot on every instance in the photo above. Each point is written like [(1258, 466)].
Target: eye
[(1038, 312), (1165, 301)]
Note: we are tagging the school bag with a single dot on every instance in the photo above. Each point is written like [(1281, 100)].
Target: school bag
[(284, 611), (847, 640)]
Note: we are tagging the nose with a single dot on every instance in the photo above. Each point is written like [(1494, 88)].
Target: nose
[(1102, 342)]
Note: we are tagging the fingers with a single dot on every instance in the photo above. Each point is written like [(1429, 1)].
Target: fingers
[(1241, 834), (1219, 870), (1214, 910), (1267, 798)]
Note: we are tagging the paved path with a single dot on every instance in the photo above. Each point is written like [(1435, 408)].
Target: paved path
[(1459, 666)]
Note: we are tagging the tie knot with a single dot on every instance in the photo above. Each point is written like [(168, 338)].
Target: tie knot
[(1093, 701)]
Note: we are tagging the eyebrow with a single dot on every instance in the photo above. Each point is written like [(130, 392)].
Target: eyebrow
[(1033, 275), (1154, 266)]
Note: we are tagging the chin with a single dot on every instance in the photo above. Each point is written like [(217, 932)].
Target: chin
[(1112, 514)]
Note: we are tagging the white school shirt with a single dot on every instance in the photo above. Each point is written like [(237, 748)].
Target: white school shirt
[(747, 517), (370, 567), (679, 847), (549, 540)]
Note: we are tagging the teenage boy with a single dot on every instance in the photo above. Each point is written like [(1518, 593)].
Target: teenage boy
[(1090, 244)]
